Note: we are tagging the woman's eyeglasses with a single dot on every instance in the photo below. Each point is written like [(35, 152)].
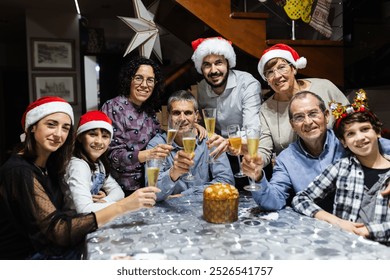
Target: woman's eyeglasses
[(282, 69), (138, 79)]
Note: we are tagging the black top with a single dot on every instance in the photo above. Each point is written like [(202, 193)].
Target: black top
[(33, 221)]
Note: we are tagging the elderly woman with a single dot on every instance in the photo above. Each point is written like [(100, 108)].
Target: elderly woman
[(278, 66)]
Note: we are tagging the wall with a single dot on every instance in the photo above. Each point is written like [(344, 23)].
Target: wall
[(49, 24)]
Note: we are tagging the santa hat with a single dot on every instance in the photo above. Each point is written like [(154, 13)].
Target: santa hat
[(93, 120), (43, 107), (213, 45), (281, 51)]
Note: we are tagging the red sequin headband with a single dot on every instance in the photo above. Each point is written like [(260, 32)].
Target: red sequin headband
[(359, 105)]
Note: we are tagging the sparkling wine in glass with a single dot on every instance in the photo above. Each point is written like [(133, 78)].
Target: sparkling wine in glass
[(189, 143), (210, 116), (173, 128), (152, 170), (234, 133), (253, 140)]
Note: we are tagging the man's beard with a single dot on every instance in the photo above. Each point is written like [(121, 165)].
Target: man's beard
[(221, 84)]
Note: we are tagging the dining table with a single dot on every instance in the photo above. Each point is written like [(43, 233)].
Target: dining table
[(175, 229)]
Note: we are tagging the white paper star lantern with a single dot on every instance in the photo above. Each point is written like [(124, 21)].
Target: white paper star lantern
[(147, 33)]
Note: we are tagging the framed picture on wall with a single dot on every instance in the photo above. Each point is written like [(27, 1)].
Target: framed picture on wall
[(52, 54), (62, 85)]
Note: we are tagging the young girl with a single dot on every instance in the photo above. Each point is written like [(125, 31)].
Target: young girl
[(361, 204), (33, 222), (91, 186)]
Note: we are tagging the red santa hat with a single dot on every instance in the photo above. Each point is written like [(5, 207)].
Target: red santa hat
[(281, 51), (214, 45), (94, 119), (43, 107)]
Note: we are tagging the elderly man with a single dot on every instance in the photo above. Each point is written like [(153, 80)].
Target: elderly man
[(303, 160), (183, 107)]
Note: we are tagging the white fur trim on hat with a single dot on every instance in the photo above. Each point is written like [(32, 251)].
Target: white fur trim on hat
[(93, 125), (300, 63), (216, 46), (46, 109)]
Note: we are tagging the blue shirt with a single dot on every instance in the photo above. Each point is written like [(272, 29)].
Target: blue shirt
[(295, 169), (204, 172)]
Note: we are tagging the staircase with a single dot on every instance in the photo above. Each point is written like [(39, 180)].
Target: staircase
[(247, 31)]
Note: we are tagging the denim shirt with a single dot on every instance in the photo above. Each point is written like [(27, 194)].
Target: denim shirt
[(295, 169), (204, 172)]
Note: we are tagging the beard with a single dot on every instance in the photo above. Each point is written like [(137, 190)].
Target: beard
[(220, 84)]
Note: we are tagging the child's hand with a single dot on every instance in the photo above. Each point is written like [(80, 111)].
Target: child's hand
[(99, 197)]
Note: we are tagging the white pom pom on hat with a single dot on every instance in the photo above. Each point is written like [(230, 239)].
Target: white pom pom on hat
[(213, 45), (281, 51), (94, 119)]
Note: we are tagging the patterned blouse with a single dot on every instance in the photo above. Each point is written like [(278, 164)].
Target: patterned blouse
[(133, 128)]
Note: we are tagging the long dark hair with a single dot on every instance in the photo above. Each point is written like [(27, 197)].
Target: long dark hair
[(57, 161), (79, 152), (128, 70)]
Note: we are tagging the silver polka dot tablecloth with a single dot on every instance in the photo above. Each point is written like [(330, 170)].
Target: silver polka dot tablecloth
[(175, 229)]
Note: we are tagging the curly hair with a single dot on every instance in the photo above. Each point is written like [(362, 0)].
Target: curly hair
[(363, 116), (128, 70)]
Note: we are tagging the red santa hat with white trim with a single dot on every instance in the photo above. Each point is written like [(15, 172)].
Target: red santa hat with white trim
[(94, 119), (214, 45), (43, 107), (281, 51)]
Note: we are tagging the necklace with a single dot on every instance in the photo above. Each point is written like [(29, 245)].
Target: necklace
[(42, 169)]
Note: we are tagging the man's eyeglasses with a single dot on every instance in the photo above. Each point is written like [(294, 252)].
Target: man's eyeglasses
[(138, 79), (282, 69), (300, 118)]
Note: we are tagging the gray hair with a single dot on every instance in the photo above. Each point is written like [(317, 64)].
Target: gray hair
[(182, 95), (303, 94)]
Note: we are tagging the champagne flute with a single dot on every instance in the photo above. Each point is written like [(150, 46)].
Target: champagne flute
[(173, 128), (209, 116), (234, 133), (152, 170), (253, 139), (189, 143)]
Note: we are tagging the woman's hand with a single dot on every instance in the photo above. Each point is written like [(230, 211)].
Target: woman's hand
[(160, 151), (202, 132), (141, 198)]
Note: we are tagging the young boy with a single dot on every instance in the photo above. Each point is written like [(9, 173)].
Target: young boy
[(359, 180)]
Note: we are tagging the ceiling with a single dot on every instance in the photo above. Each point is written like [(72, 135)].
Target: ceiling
[(12, 12)]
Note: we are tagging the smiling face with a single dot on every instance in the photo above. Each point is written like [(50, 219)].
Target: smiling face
[(281, 76), (308, 120), (51, 132), (215, 69), (95, 142), (183, 111), (140, 92), (361, 139)]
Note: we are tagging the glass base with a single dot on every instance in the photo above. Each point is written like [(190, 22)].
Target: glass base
[(189, 178), (252, 188), (239, 175)]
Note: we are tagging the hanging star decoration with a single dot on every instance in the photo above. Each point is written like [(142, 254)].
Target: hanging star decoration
[(147, 33)]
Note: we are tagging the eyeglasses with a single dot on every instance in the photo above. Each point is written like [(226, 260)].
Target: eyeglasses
[(282, 69), (300, 118), (138, 79)]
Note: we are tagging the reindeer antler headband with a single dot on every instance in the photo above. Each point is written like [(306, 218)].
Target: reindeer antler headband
[(359, 105)]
